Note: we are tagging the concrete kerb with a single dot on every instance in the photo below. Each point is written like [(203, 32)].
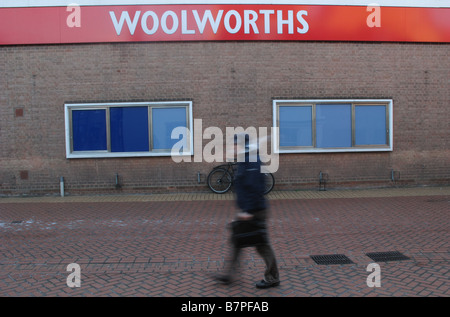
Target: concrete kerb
[(275, 195)]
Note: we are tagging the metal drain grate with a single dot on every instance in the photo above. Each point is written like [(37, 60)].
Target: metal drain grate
[(328, 259), (387, 256)]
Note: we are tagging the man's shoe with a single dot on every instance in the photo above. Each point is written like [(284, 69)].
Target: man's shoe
[(224, 279), (264, 284)]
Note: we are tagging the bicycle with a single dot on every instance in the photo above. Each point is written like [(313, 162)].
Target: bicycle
[(221, 178)]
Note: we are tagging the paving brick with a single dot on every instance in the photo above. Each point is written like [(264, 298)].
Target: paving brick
[(171, 248)]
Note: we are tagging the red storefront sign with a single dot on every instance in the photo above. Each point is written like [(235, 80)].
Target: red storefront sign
[(215, 22)]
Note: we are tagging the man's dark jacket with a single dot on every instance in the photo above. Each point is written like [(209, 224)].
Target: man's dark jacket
[(249, 186)]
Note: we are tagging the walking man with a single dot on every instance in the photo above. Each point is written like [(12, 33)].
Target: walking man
[(249, 188)]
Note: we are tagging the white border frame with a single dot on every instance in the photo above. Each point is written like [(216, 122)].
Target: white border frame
[(94, 154), (383, 3), (335, 150)]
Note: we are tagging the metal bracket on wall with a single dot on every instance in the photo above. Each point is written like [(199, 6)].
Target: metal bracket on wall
[(117, 184), (323, 179), (395, 175)]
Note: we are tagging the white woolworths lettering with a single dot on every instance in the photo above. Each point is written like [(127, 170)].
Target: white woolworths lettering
[(124, 17), (144, 23), (227, 24), (164, 22), (302, 21), (207, 16), (232, 21)]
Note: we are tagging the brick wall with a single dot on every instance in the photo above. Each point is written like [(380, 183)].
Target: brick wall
[(230, 84)]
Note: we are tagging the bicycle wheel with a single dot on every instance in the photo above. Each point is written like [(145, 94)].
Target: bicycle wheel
[(269, 181), (219, 180)]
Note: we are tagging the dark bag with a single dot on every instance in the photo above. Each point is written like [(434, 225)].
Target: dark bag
[(248, 233)]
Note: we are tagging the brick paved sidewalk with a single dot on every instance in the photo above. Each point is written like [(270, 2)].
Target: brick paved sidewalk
[(169, 245)]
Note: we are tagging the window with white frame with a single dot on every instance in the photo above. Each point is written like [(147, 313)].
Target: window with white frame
[(127, 129), (355, 125)]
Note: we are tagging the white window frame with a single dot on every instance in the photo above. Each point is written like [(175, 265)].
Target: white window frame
[(70, 154), (355, 102)]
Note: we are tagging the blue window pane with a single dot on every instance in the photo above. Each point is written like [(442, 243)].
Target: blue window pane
[(129, 129), (295, 126), (334, 126), (164, 120), (370, 125), (89, 130)]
